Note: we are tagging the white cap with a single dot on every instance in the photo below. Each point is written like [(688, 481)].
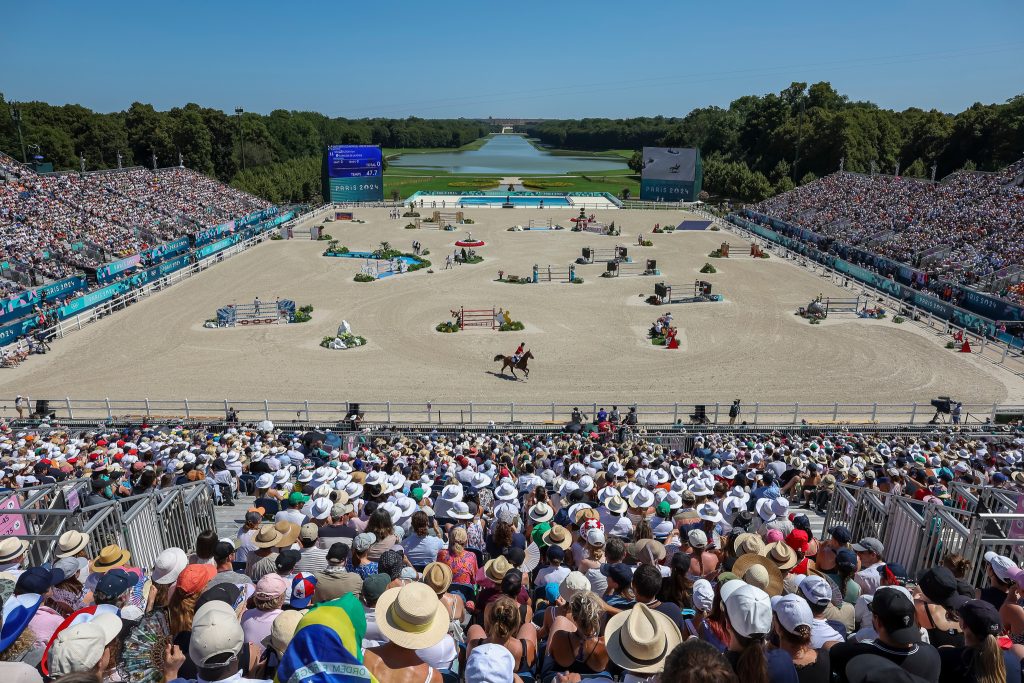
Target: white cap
[(792, 612), (697, 538), (703, 595), (749, 609), (595, 536), (80, 647), (1003, 567), (215, 632), (490, 663), (816, 590)]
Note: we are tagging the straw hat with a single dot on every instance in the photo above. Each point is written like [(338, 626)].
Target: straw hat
[(557, 535), (438, 576), (412, 617), (760, 572), (267, 537), (71, 543), (647, 548), (111, 557), (748, 543), (12, 548), (289, 532), (496, 569), (616, 505), (541, 512), (573, 583), (639, 639), (781, 554)]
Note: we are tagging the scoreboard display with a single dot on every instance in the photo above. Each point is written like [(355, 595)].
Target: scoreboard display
[(353, 173)]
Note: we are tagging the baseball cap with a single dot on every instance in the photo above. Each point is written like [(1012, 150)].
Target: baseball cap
[(841, 534), (216, 635), (847, 559), (595, 536), (80, 647), (697, 538), (374, 587), (309, 532), (895, 572), (1003, 567), (228, 593), (749, 608), (297, 498), (792, 612), (337, 553), (490, 663), (703, 595), (115, 582), (303, 588), (362, 542), (895, 609), (556, 553), (287, 559), (271, 586), (798, 540), (38, 580), (869, 544), (816, 590), (939, 585), (619, 572), (981, 617), (877, 669)]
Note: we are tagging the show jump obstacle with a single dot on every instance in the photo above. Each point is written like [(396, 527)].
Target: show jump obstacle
[(616, 253), (551, 273), (443, 218), (618, 268), (677, 294), (270, 313), (728, 250), (479, 318)]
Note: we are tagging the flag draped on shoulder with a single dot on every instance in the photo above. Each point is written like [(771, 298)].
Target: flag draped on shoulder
[(327, 646)]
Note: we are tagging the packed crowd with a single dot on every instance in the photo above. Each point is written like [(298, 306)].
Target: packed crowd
[(485, 557), (980, 217), (58, 224)]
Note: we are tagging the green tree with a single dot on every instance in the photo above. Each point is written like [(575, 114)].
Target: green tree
[(636, 162)]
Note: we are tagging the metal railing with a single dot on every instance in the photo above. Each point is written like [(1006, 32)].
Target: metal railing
[(483, 413), (976, 520), (144, 524)]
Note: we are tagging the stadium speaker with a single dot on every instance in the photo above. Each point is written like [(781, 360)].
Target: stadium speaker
[(941, 404)]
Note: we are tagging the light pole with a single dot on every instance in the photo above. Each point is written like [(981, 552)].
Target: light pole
[(81, 158), (241, 135), (16, 116), (119, 160), (154, 160)]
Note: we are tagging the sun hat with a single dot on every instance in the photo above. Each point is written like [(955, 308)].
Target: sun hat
[(80, 647), (792, 612), (495, 569), (749, 608), (411, 616), (703, 595), (647, 549), (639, 639), (71, 543), (289, 533), (490, 663), (642, 499), (939, 585), (573, 583), (12, 547), (557, 535), (110, 556), (505, 491), (767, 576), (459, 510), (303, 589), (616, 505), (748, 543), (320, 508), (265, 481), (18, 611), (763, 507), (267, 537), (169, 564), (216, 635), (541, 512), (283, 629), (781, 554), (438, 576)]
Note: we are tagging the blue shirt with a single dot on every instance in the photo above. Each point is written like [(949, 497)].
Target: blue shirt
[(422, 550)]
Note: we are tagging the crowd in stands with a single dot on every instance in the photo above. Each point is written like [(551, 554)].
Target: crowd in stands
[(483, 557), (979, 217), (57, 224)]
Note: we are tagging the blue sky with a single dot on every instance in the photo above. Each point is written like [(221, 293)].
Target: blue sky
[(556, 58)]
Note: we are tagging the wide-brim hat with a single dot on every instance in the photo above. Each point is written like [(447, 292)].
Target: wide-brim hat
[(496, 569), (411, 616), (438, 576), (18, 611), (459, 510), (781, 554), (169, 564), (616, 505), (289, 532), (505, 492), (267, 537), (745, 562), (541, 512), (647, 548), (639, 639), (110, 557), (12, 548), (71, 543), (557, 535)]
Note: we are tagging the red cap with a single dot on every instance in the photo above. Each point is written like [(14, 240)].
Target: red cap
[(798, 540)]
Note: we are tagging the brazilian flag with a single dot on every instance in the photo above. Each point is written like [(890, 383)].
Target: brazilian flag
[(327, 646)]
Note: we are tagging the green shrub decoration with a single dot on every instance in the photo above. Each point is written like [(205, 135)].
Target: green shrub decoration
[(717, 253), (899, 320), (324, 237), (950, 345), (708, 268), (411, 214), (448, 326), (577, 281), (363, 277), (513, 326), (350, 340), (275, 237), (410, 226)]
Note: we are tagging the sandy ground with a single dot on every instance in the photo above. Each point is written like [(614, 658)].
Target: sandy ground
[(589, 340)]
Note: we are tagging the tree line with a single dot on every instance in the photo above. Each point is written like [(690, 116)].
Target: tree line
[(282, 149), (762, 145)]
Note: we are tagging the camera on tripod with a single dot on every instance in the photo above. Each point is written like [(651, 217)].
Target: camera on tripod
[(943, 406)]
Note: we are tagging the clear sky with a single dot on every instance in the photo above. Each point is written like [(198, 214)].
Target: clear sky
[(550, 58)]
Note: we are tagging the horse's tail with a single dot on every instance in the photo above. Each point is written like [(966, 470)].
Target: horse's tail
[(499, 357)]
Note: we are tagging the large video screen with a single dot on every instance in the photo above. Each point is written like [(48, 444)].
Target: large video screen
[(353, 173), (671, 174)]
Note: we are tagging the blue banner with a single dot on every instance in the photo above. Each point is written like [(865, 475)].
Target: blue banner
[(22, 304), (113, 270), (10, 333)]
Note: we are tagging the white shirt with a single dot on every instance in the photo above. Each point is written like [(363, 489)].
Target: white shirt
[(822, 632), (554, 575), (292, 515), (440, 656), (615, 525), (869, 579)]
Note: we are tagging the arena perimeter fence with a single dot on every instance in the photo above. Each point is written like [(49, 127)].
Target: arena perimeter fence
[(474, 413), (143, 524), (977, 520)]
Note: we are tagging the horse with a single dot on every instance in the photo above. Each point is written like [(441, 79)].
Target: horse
[(506, 362)]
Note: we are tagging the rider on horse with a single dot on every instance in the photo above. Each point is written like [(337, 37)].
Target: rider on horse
[(519, 353)]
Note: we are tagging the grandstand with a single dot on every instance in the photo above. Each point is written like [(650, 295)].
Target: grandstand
[(967, 230)]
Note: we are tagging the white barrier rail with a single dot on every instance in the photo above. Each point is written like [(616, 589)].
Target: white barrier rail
[(472, 412)]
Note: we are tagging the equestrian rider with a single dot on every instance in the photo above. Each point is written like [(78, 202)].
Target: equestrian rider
[(519, 353)]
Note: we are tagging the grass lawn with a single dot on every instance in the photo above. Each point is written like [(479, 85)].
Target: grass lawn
[(406, 186), (612, 183), (395, 151)]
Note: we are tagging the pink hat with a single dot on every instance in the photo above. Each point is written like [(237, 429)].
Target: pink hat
[(773, 535), (271, 586)]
